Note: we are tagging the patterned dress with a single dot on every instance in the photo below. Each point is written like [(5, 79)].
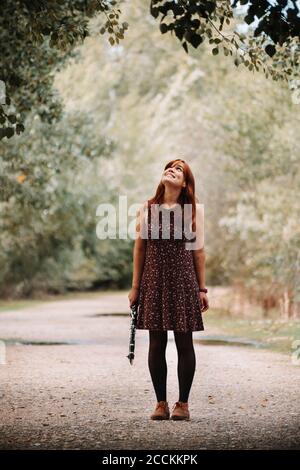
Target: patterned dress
[(169, 292)]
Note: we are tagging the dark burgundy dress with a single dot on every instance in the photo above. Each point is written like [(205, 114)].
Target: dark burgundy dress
[(169, 292)]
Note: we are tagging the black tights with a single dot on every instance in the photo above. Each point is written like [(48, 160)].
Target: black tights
[(158, 364)]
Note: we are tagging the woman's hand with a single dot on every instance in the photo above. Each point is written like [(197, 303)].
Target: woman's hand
[(133, 296), (204, 301)]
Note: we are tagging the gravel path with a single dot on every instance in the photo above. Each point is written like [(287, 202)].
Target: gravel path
[(86, 395)]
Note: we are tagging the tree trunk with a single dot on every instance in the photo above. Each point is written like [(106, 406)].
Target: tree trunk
[(286, 305)]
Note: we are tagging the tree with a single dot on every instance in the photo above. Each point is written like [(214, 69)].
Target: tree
[(52, 179), (38, 37), (240, 136), (276, 35), (261, 227)]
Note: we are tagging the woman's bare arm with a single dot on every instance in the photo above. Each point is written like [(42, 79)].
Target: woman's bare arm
[(199, 256), (199, 263), (139, 249), (198, 251)]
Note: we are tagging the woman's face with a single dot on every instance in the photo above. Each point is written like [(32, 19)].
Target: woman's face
[(174, 175)]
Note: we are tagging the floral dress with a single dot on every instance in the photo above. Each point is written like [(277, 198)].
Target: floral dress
[(169, 292)]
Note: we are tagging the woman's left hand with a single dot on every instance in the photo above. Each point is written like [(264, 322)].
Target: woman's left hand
[(204, 301)]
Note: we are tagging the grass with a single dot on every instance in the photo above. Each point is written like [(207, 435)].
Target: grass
[(273, 333), (19, 304), (7, 305)]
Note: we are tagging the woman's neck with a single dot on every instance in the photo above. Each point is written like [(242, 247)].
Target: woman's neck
[(171, 196)]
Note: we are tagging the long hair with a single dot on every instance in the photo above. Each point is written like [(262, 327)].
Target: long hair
[(187, 195)]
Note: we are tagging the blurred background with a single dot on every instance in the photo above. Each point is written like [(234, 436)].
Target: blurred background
[(127, 110)]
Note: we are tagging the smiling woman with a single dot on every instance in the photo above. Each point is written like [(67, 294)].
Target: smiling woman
[(167, 284)]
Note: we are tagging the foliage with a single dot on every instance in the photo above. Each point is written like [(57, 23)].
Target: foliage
[(37, 39), (262, 229), (273, 47), (52, 179), (240, 137)]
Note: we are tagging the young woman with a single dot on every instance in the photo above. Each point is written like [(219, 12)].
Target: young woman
[(169, 281)]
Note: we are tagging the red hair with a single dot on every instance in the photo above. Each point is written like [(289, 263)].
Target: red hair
[(187, 195)]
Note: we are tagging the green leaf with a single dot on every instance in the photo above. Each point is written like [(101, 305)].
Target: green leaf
[(9, 132), (19, 128), (163, 28), (12, 118), (185, 47)]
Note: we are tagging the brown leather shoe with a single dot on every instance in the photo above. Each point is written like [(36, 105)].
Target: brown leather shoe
[(161, 411), (180, 411)]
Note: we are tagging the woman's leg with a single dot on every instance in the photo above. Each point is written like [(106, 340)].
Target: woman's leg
[(157, 362), (186, 363)]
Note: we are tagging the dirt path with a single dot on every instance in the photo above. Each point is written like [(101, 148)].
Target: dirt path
[(86, 395)]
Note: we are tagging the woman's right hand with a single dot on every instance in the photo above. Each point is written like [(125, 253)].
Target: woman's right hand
[(133, 296)]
